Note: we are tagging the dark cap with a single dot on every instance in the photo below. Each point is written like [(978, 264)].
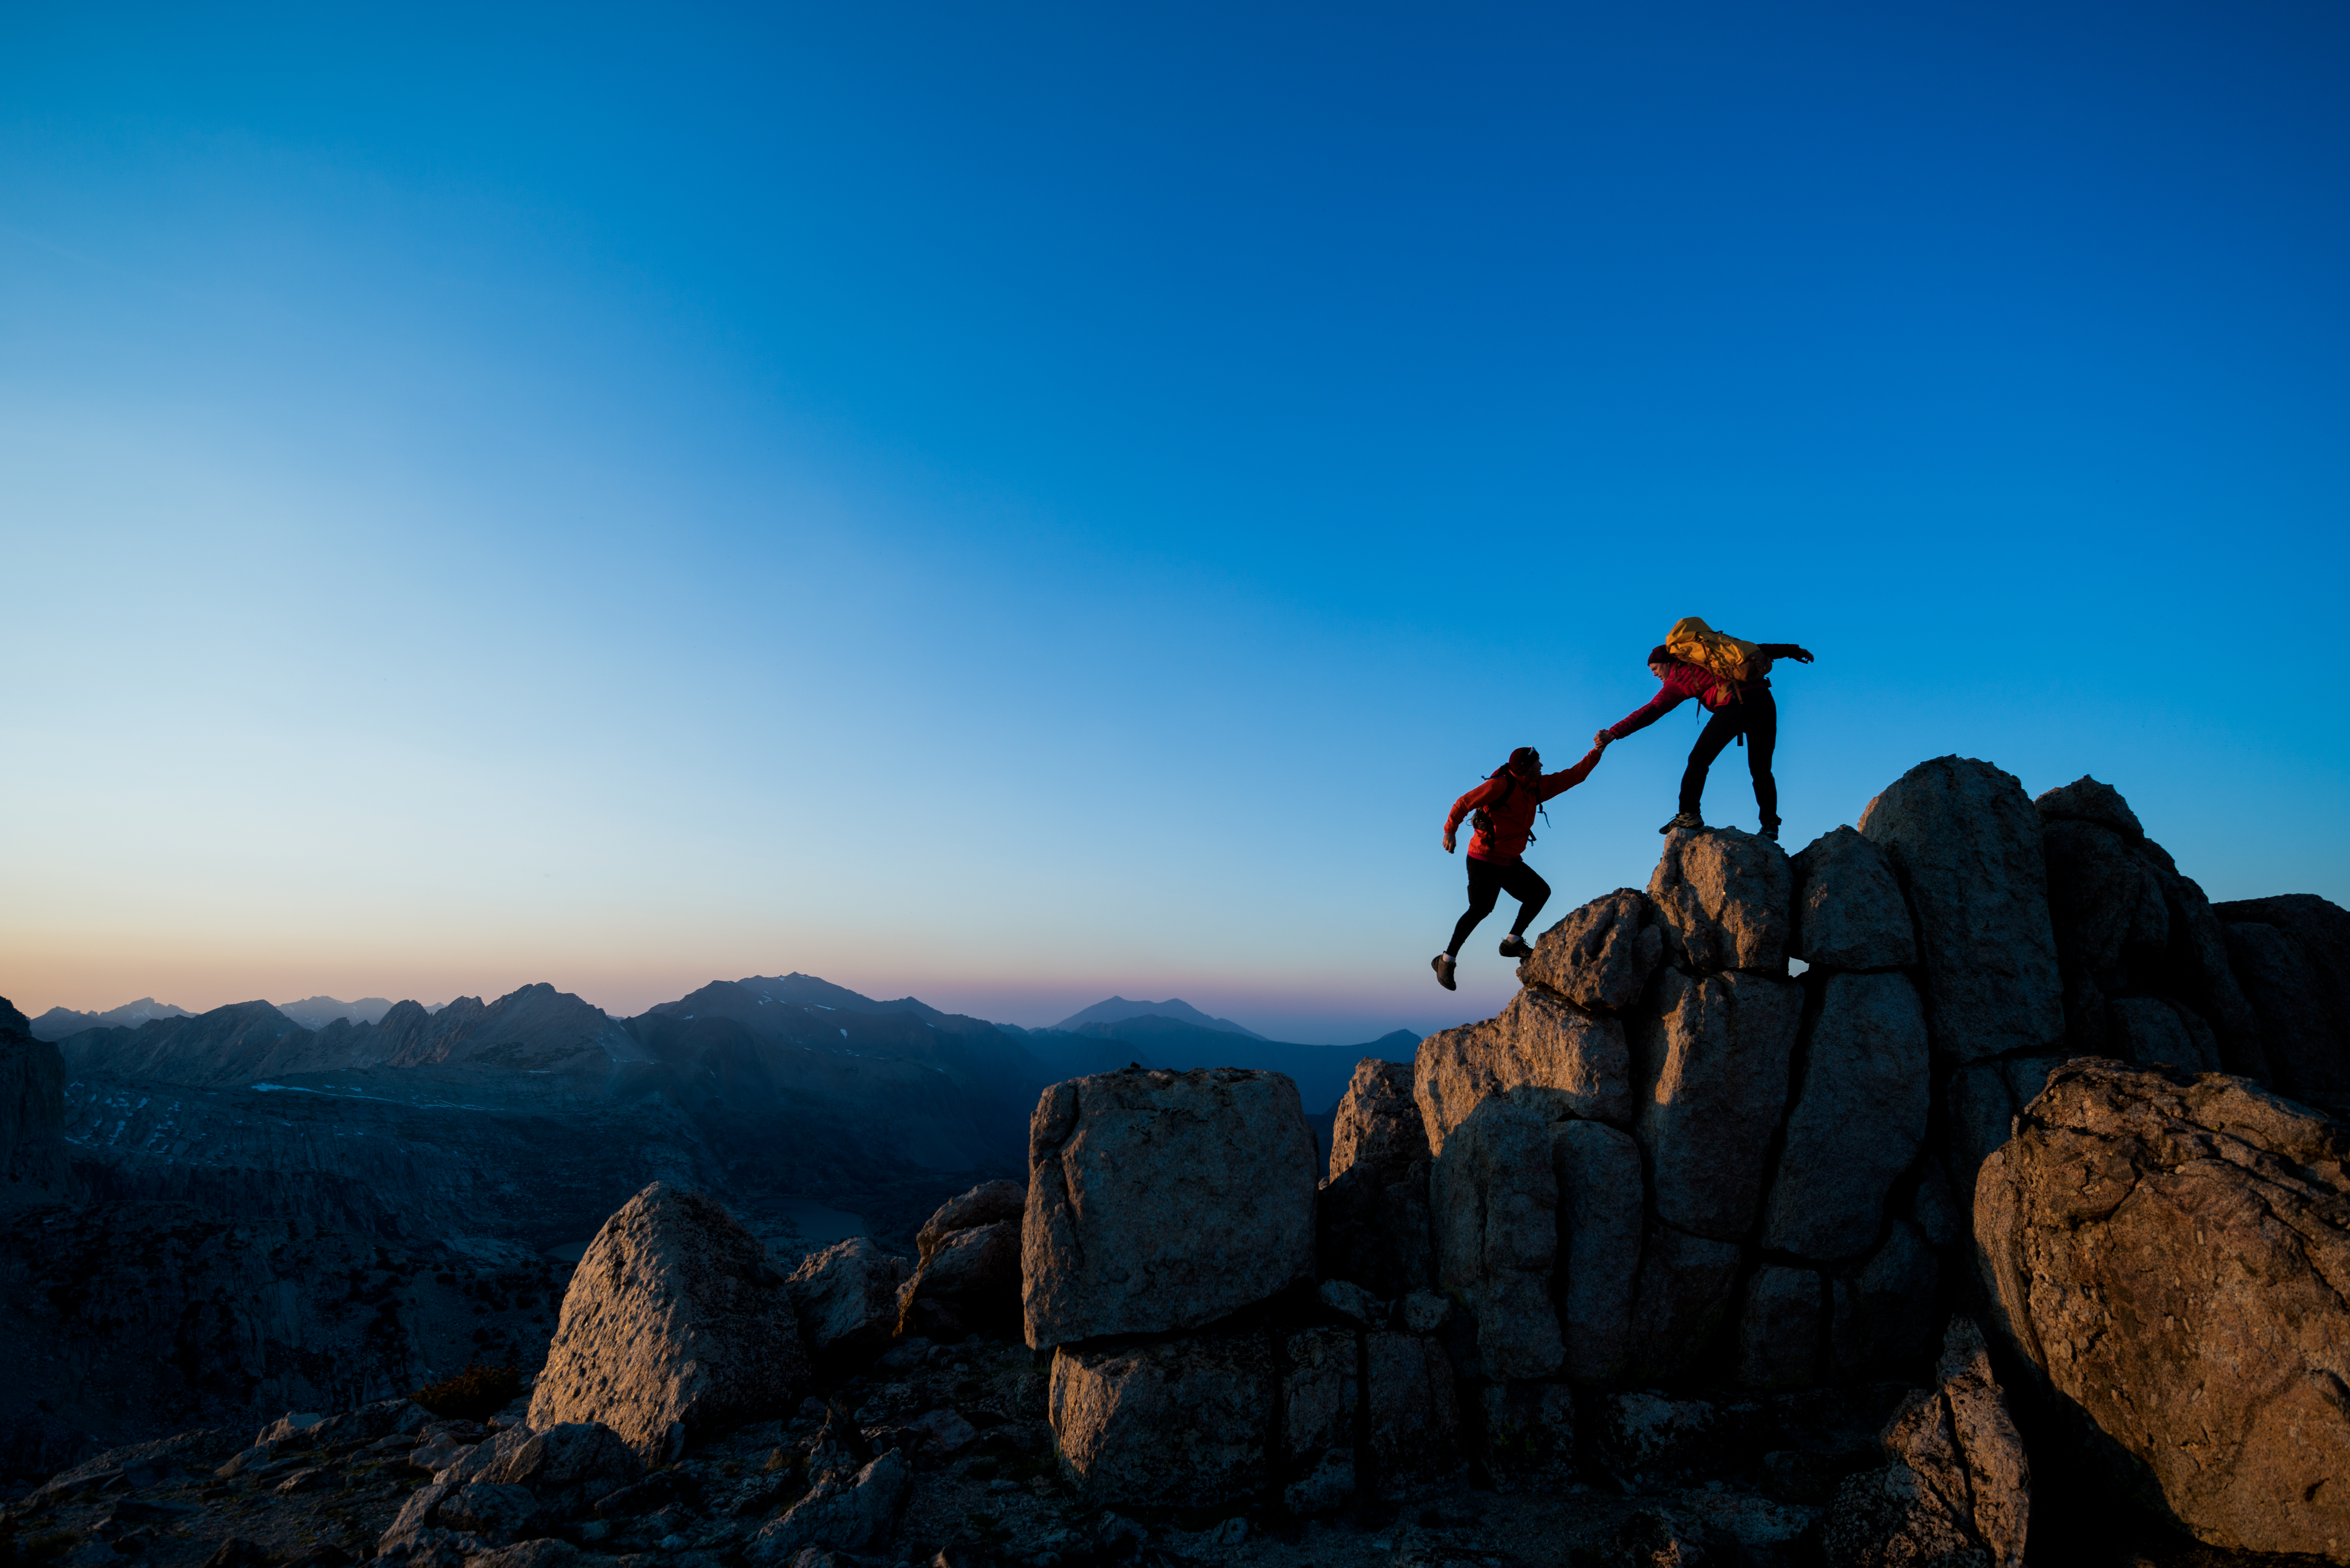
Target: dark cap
[(1660, 654)]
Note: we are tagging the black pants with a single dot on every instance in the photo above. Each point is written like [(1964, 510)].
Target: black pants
[(1488, 880), (1754, 715)]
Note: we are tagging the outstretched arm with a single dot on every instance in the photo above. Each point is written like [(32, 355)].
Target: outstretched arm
[(1662, 703), (1559, 783)]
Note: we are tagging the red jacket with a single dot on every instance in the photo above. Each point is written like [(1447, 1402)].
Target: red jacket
[(1684, 681), (1509, 802)]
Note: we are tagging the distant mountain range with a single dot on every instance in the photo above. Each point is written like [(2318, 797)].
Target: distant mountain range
[(246, 1041), (311, 1013), (1320, 1072), (318, 1012), (1118, 1009), (498, 1135), (59, 1022)]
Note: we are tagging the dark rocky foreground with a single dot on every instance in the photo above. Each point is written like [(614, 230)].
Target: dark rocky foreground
[(2010, 1229)]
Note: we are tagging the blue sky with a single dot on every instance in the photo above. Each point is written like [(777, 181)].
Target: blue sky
[(1015, 506)]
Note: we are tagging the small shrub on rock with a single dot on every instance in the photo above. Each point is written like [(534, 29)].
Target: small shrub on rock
[(473, 1395)]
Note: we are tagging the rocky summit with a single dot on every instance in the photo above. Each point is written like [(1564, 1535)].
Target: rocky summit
[(1964, 1190)]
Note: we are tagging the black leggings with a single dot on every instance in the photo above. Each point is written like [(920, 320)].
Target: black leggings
[(1756, 716), (1488, 880)]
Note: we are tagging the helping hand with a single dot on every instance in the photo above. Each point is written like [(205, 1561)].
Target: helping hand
[(1802, 656), (1602, 739)]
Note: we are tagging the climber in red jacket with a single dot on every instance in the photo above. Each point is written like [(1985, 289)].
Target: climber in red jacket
[(1505, 805), (1741, 708)]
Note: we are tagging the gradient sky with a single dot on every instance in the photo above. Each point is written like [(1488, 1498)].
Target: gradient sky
[(1018, 504)]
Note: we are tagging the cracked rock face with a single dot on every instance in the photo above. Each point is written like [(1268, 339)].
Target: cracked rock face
[(1712, 1069), (2293, 954), (1494, 1201), (848, 1513), (1162, 1200), (1849, 913), (1378, 1122), (846, 1299), (1371, 1216), (2130, 928), (1601, 955), (1859, 1118), (1598, 1171), (674, 1323), (1540, 1051), (2173, 1259), (968, 1281), (1966, 844), (1724, 899), (1681, 1301), (1958, 1491), (1182, 1423)]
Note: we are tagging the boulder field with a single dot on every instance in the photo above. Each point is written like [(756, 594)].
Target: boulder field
[(1798, 1210)]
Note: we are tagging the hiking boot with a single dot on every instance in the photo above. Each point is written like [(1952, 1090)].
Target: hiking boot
[(1513, 946), (1443, 965), (1770, 831), (1682, 820)]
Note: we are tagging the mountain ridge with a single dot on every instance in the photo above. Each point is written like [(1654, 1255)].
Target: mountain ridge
[(1118, 1009), (316, 1012), (59, 1022)]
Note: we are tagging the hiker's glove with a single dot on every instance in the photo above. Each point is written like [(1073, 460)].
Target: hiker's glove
[(1601, 740)]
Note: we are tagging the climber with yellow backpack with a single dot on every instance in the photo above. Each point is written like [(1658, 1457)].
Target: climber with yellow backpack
[(1730, 678)]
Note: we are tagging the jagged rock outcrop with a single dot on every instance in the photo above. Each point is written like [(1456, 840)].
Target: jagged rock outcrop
[(1979, 1104), (1526, 1436), (1377, 1121), (32, 1113), (967, 1278), (1724, 899), (2172, 1259), (1161, 1201), (2292, 954), (519, 1483), (2156, 1032), (1711, 1063), (1682, 1300), (1598, 1171), (1414, 1420), (1966, 843), (841, 1512), (1849, 913), (1371, 1216), (1493, 1205), (1779, 1328), (675, 1322), (2130, 928), (1541, 1051), (845, 1299), (1320, 1394), (1182, 1423), (1376, 1232), (1880, 1312), (1858, 1120), (1600, 957), (1958, 1491)]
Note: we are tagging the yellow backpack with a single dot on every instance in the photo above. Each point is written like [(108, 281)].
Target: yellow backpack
[(1732, 658)]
